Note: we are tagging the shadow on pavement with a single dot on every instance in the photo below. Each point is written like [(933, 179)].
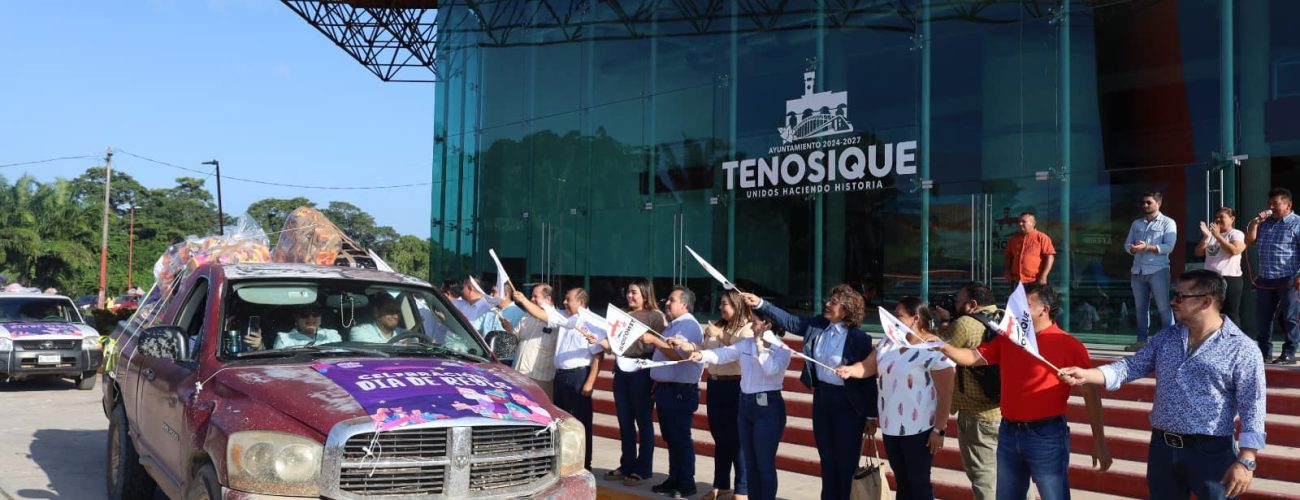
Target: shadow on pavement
[(73, 460)]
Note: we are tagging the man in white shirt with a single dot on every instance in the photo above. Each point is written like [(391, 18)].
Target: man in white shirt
[(388, 317), (537, 333), (472, 303), (577, 363)]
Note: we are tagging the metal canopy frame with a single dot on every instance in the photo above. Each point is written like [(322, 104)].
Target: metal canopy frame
[(394, 39), (397, 39)]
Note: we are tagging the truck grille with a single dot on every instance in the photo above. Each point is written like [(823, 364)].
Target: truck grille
[(490, 440), (501, 475), (47, 345), (442, 462), (424, 444), (418, 480)]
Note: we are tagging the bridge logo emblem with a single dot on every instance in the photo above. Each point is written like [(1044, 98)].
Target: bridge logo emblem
[(815, 114)]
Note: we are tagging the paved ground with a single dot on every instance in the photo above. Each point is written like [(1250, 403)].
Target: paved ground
[(52, 441)]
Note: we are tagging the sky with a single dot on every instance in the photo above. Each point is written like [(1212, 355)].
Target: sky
[(246, 82)]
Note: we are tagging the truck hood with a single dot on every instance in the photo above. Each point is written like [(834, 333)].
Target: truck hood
[(46, 329), (393, 392)]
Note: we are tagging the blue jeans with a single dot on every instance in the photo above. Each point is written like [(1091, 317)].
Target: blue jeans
[(677, 404), (761, 429), (634, 405), (910, 458), (1144, 287), (1275, 294), (1042, 453), (724, 398), (1196, 468)]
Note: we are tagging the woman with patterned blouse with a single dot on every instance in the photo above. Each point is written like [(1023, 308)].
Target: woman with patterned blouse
[(915, 395)]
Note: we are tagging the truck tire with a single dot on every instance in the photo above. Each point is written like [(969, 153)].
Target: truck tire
[(86, 381), (126, 478), (205, 485)]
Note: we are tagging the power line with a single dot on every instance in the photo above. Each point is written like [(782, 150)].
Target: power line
[(61, 158), (279, 184)]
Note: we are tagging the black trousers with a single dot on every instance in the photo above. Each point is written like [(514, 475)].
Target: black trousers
[(910, 459), (568, 396)]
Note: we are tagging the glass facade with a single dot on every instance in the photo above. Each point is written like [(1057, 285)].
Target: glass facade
[(889, 145)]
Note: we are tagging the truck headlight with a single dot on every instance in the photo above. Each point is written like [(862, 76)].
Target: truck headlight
[(6, 344), (573, 446), (90, 343), (274, 463)]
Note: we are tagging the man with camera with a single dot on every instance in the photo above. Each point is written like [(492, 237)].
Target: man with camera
[(976, 394)]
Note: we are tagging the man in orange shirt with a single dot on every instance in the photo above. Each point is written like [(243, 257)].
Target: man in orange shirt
[(1029, 254), (1034, 439)]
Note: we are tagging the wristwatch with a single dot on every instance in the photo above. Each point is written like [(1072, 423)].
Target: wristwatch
[(1247, 463), (944, 432)]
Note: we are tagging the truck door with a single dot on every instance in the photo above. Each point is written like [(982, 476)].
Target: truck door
[(165, 388)]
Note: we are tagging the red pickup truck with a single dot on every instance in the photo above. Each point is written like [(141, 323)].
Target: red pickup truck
[(287, 380)]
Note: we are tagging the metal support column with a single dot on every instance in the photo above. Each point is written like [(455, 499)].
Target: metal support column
[(925, 149), (1227, 114), (733, 80), (1063, 103), (819, 205)]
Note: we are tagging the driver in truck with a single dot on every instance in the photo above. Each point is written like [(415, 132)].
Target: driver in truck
[(388, 315)]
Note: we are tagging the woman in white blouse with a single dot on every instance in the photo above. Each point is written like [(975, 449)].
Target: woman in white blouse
[(915, 395), (1222, 247), (761, 414)]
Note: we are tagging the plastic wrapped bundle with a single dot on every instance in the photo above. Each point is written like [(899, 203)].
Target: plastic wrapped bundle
[(308, 238), (243, 243)]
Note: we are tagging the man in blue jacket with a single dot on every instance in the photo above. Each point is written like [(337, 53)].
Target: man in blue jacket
[(840, 407)]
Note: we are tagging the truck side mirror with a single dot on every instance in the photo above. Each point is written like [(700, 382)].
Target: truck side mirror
[(164, 342), (503, 345)]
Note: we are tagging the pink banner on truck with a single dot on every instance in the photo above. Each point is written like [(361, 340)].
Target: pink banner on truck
[(400, 393), (42, 328)]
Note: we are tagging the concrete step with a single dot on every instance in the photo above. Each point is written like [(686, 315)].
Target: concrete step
[(1126, 478), (1282, 400), (1283, 430)]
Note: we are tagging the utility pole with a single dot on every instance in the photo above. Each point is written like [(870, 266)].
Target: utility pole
[(103, 242), (221, 217), (130, 249)]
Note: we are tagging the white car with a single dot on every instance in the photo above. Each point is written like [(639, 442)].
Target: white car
[(45, 335)]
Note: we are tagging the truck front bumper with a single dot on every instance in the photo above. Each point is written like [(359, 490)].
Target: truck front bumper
[(20, 364)]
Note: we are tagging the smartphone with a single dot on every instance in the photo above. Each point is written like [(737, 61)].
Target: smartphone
[(254, 325)]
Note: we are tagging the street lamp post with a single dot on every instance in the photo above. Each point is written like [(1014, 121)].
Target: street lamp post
[(130, 250), (221, 217)]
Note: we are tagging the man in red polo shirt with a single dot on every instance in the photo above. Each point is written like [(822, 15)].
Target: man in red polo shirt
[(1034, 439)]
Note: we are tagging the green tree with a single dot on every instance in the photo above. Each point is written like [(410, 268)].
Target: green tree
[(360, 226)]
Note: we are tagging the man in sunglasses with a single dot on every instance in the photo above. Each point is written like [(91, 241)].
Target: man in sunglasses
[(1208, 373), (306, 329)]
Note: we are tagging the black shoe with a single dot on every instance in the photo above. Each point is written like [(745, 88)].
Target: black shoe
[(664, 488), (1284, 360)]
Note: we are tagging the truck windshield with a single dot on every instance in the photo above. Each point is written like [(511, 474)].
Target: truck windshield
[(29, 309), (340, 316)]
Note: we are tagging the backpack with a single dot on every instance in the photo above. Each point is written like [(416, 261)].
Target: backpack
[(988, 377)]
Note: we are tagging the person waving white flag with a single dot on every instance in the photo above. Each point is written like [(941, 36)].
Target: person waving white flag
[(897, 332), (1018, 325), (624, 330)]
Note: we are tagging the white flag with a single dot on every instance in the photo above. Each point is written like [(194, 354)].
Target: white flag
[(712, 272), (638, 364), (897, 332), (474, 283), (502, 277), (379, 263), (624, 330), (1018, 326), (589, 322)]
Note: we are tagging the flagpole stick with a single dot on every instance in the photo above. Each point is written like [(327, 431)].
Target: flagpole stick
[(805, 357), (1049, 363)]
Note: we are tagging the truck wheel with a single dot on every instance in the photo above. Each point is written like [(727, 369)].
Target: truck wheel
[(205, 485), (127, 479), (86, 381)]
